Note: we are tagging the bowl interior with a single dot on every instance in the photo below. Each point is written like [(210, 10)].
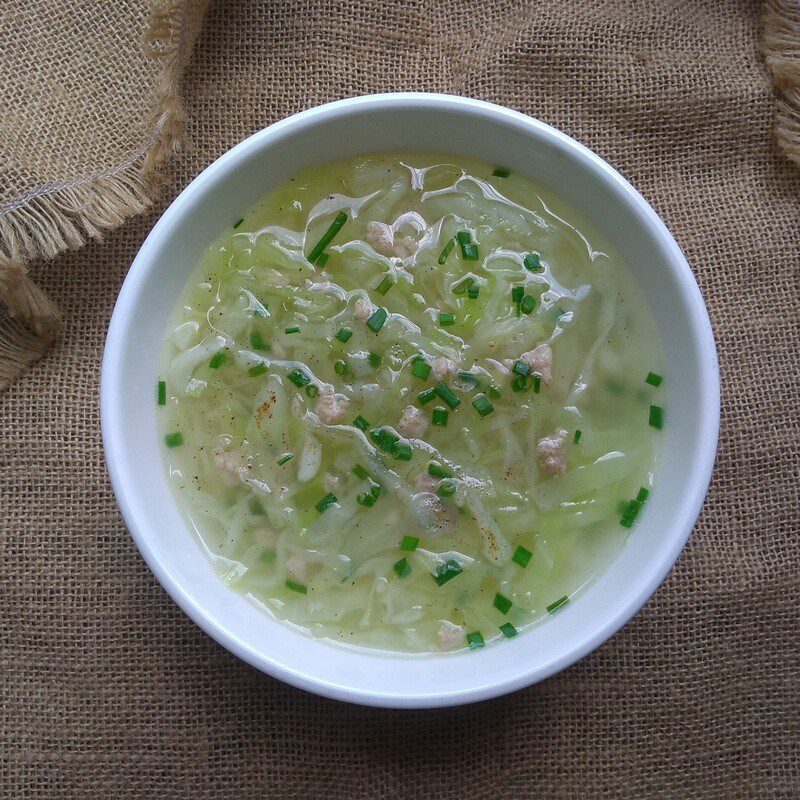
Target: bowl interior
[(419, 123)]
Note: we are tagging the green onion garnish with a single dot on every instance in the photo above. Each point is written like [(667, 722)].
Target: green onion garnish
[(385, 284), (217, 360), (469, 252), (421, 369), (296, 587), (463, 286), (533, 263), (437, 470), (517, 293), (257, 369), (521, 368), (508, 630), (311, 390), (359, 471), (527, 304), (446, 571), (321, 260), (256, 509), (469, 377), (375, 360), (502, 604), (439, 416), (284, 458), (267, 555), (340, 367), (402, 452), (238, 223), (537, 383), (384, 439), (299, 378), (520, 384), (475, 640), (344, 335), (556, 604), (338, 221), (366, 500), (653, 379), (447, 319), (326, 502), (642, 495), (501, 173), (631, 510), (447, 488), (464, 237), (409, 543), (162, 393), (483, 405), (292, 329), (577, 437), (376, 319), (402, 568), (446, 250), (473, 291), (257, 341), (426, 396), (522, 556), (493, 391), (449, 397), (173, 439), (657, 417)]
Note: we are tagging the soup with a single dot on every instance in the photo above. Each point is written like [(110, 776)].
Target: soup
[(411, 403)]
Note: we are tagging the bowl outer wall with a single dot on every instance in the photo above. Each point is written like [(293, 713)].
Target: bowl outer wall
[(415, 122)]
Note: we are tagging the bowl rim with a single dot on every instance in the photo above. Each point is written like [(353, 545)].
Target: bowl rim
[(111, 380)]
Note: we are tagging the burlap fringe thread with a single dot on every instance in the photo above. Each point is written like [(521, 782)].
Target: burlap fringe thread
[(49, 220)]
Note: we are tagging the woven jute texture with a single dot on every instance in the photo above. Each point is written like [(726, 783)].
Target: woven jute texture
[(90, 109), (108, 691)]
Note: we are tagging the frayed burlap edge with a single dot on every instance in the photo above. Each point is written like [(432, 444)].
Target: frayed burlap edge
[(781, 47), (46, 220)]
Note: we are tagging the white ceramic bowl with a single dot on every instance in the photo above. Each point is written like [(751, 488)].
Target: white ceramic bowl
[(433, 123)]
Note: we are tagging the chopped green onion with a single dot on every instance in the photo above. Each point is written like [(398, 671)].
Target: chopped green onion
[(469, 377), (522, 556), (473, 291), (217, 360), (409, 543), (284, 458), (338, 221), (439, 416), (326, 502), (631, 510), (385, 284), (340, 367), (642, 495), (300, 588), (377, 319), (483, 405), (361, 423), (493, 391), (366, 500), (537, 383), (311, 390), (447, 319), (256, 509), (238, 223), (446, 250), (257, 369), (463, 286), (469, 252), (532, 262), (426, 396), (508, 630), (502, 604), (402, 568), (449, 397), (384, 439), (577, 437), (446, 571), (501, 173), (556, 604), (375, 360), (360, 472), (402, 452), (299, 378), (292, 329), (464, 237), (657, 417), (520, 384), (421, 369), (653, 379), (447, 488), (517, 293), (162, 393), (521, 368), (173, 439), (257, 341), (321, 260), (475, 640), (267, 555), (344, 335), (528, 304), (437, 470)]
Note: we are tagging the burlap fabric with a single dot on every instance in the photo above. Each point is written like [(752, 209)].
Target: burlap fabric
[(108, 691)]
